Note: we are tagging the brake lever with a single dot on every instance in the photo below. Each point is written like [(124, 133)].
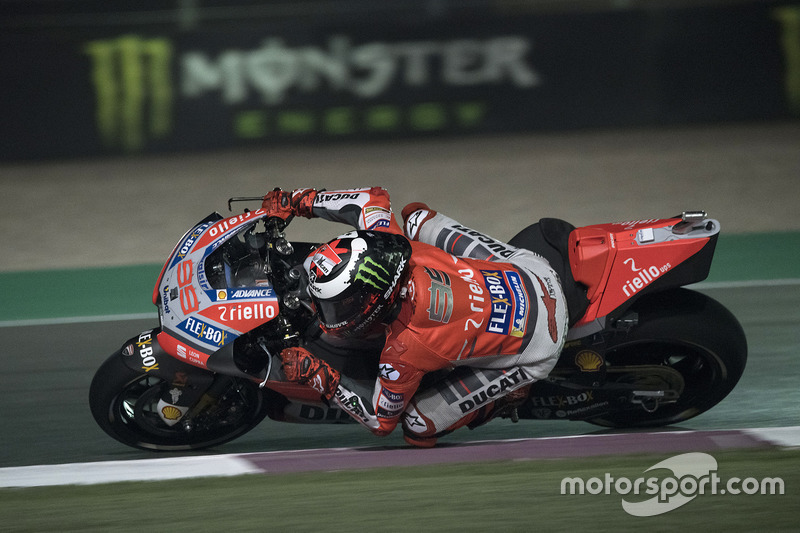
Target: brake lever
[(243, 199)]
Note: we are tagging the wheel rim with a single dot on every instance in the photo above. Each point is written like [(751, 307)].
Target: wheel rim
[(234, 412)]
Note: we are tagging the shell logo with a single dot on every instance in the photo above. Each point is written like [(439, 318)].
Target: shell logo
[(588, 361), (171, 412)]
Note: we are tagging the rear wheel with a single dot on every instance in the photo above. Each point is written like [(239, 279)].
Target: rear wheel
[(124, 404), (683, 332)]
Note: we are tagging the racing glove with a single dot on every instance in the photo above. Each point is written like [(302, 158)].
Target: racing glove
[(284, 204), (414, 216), (300, 366)]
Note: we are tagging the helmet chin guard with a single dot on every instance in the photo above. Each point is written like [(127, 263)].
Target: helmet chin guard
[(354, 280)]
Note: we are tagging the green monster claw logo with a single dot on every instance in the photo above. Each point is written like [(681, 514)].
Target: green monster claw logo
[(789, 19), (371, 273), (132, 81)]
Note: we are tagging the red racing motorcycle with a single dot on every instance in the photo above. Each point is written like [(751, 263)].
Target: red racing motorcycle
[(642, 351)]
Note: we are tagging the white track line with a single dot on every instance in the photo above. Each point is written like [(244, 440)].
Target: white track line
[(237, 464), (745, 284), (116, 471), (787, 437), (56, 321)]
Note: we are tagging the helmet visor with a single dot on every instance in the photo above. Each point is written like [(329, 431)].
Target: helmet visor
[(342, 314)]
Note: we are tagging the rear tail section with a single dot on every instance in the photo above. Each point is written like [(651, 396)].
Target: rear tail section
[(619, 262)]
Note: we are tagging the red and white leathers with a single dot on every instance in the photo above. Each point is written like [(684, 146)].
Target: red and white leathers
[(493, 313)]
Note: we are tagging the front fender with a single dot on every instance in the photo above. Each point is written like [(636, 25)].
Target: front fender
[(143, 353)]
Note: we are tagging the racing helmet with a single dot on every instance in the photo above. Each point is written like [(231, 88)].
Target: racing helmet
[(355, 279)]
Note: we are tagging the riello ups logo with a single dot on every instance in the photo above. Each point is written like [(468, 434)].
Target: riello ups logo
[(134, 91)]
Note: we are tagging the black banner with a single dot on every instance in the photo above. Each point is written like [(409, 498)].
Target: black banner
[(139, 90)]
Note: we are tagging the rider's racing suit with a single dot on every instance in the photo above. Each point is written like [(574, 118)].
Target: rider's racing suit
[(494, 313)]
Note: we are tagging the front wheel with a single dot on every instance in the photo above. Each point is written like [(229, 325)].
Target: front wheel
[(686, 332), (124, 404)]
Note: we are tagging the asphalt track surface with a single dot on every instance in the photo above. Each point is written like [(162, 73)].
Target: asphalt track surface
[(116, 212), (46, 417)]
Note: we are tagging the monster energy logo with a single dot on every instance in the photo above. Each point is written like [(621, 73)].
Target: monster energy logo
[(131, 77), (789, 18), (371, 273)]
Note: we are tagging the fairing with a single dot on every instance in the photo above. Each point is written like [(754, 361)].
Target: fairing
[(213, 288)]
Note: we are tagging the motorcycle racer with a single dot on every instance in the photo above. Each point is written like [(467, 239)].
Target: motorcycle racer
[(445, 296)]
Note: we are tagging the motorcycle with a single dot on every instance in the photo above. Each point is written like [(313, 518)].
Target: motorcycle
[(641, 351)]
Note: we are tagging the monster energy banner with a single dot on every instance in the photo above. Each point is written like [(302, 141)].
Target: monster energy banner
[(141, 90)]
